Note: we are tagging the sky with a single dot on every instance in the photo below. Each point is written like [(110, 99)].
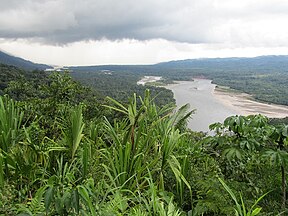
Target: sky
[(96, 32)]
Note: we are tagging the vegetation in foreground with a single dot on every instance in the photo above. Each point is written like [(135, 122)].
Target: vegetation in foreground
[(62, 154)]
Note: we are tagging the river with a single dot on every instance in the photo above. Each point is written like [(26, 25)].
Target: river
[(199, 94)]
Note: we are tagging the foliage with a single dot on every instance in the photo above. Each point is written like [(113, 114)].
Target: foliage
[(241, 209), (66, 151), (121, 85)]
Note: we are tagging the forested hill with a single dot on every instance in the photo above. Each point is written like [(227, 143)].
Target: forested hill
[(208, 67), (21, 63), (256, 64), (9, 73)]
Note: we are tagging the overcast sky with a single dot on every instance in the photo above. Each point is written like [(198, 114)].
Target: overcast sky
[(89, 32)]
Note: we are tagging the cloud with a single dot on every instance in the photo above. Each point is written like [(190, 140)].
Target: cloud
[(245, 22)]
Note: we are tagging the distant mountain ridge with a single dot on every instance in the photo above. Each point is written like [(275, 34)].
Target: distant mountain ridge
[(261, 63), (279, 58), (265, 63), (20, 62)]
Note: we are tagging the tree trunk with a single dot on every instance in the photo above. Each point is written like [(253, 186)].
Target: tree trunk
[(283, 206)]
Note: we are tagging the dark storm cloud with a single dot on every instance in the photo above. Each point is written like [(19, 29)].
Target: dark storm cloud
[(65, 21)]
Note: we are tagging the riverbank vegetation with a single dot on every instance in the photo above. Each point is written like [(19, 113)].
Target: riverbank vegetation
[(67, 150), (264, 77)]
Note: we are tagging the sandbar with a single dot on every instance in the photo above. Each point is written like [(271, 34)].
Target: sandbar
[(245, 104), (147, 79)]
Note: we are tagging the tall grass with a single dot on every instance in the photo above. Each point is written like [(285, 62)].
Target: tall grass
[(73, 132), (10, 129), (146, 142)]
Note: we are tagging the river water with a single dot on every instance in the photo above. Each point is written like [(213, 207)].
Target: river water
[(199, 94)]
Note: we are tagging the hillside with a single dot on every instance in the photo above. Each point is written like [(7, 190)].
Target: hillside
[(10, 73), (256, 64), (259, 64), (21, 63)]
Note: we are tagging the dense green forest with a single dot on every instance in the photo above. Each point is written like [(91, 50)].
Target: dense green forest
[(65, 149), (117, 85), (121, 85), (264, 77), (14, 74)]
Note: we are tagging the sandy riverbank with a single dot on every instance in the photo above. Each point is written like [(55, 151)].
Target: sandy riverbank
[(247, 106), (215, 105), (147, 79)]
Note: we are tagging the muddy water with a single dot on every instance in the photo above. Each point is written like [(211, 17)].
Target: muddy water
[(199, 94)]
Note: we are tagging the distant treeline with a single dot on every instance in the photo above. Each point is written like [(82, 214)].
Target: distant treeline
[(121, 85), (265, 78), (21, 83)]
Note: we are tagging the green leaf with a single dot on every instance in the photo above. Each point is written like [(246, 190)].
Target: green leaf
[(238, 207), (85, 196), (48, 198), (285, 131), (1, 171), (256, 211), (122, 108)]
